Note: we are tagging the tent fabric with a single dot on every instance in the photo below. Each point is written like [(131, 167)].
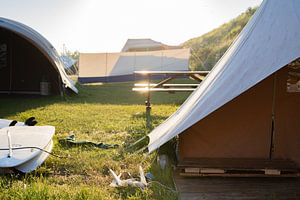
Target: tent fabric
[(42, 44), (69, 65), (145, 44), (260, 123), (68, 61), (268, 42), (106, 66)]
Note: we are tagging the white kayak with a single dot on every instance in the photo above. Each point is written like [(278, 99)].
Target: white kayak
[(25, 147)]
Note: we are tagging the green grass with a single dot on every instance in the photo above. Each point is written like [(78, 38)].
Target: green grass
[(109, 113)]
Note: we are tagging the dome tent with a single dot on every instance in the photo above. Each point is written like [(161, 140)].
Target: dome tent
[(27, 59)]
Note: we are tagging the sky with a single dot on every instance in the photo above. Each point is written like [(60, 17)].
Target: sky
[(105, 25)]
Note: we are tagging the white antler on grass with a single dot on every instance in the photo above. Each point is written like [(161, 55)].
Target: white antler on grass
[(118, 182)]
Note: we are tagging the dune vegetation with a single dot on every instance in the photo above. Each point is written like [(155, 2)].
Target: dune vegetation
[(207, 49)]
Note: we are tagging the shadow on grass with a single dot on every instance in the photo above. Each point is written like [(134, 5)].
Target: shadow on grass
[(153, 117), (12, 104), (122, 94), (15, 175), (111, 93)]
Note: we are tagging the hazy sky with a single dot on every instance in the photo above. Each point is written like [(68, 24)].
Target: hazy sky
[(104, 26)]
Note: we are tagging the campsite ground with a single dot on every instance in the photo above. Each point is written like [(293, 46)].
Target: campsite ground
[(109, 113)]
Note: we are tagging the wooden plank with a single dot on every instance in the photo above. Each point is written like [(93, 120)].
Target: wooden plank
[(192, 170), (272, 172), (232, 164), (212, 171), (146, 89), (171, 72), (165, 85), (144, 84), (185, 174), (197, 77), (164, 81)]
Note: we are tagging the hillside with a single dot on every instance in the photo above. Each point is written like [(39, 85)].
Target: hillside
[(207, 49)]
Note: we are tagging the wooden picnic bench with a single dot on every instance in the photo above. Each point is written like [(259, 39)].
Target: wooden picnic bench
[(164, 86)]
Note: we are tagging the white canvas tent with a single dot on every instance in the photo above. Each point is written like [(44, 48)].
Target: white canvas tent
[(145, 45), (118, 67), (269, 42), (26, 58)]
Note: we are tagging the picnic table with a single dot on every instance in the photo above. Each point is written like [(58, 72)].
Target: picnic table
[(164, 86)]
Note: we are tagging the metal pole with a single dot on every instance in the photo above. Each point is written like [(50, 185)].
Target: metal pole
[(106, 67), (162, 60), (134, 65), (272, 139), (148, 105), (10, 46)]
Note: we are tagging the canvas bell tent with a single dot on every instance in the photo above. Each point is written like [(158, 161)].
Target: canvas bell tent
[(27, 59), (118, 67), (248, 106)]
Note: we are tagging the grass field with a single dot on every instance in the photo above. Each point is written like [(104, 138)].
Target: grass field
[(109, 113)]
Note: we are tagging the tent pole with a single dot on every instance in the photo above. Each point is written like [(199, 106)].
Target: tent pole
[(162, 60), (272, 139), (148, 105), (61, 87), (10, 64), (106, 68), (134, 65)]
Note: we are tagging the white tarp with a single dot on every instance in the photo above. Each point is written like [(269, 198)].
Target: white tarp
[(125, 63), (269, 41)]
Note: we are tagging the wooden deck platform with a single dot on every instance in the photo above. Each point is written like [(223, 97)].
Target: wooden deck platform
[(238, 167), (212, 188)]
